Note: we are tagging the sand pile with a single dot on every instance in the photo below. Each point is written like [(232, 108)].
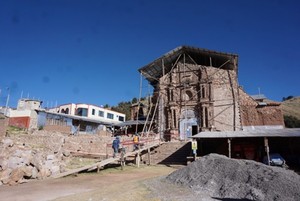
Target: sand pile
[(221, 177)]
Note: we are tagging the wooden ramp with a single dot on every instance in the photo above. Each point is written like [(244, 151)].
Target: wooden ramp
[(104, 162)]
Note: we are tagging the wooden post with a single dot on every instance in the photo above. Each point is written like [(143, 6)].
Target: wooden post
[(267, 149), (229, 147), (137, 160), (122, 158), (149, 156)]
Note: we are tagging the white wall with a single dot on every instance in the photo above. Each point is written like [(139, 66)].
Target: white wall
[(72, 108)]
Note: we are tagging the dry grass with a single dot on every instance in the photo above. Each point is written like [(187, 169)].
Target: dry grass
[(77, 162), (291, 107)]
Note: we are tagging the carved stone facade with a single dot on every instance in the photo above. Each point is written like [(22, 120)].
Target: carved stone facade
[(199, 98), (196, 90)]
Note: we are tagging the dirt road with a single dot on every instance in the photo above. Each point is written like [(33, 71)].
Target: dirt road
[(109, 184)]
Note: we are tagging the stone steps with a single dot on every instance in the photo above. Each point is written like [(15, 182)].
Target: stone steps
[(171, 153)]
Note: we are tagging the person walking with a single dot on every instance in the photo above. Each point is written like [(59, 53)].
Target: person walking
[(136, 141), (116, 145)]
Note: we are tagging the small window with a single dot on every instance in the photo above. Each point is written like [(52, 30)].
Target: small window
[(110, 116), (101, 113), (121, 118), (81, 112), (93, 111)]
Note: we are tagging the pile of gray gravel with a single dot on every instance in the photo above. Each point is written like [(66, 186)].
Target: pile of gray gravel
[(221, 177)]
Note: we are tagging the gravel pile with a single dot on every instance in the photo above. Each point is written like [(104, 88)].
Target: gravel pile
[(221, 177)]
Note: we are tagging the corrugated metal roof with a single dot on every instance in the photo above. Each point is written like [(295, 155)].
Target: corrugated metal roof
[(153, 71), (287, 132), (131, 122), (258, 96)]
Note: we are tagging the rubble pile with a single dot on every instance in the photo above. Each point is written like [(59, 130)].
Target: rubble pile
[(221, 177), (20, 163), (41, 154)]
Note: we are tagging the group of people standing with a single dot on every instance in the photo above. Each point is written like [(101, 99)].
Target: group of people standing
[(116, 144)]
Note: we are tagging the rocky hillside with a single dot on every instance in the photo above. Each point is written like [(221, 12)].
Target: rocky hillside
[(291, 107)]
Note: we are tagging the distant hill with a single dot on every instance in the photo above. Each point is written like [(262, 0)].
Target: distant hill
[(291, 107)]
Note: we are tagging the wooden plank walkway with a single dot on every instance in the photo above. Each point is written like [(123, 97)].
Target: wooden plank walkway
[(104, 162)]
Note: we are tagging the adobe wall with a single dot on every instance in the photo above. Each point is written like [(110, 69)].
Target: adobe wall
[(254, 115), (225, 99), (58, 128), (58, 142)]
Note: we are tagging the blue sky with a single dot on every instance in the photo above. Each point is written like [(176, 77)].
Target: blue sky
[(89, 51)]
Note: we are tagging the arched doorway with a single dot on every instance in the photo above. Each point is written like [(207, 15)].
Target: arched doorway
[(188, 124)]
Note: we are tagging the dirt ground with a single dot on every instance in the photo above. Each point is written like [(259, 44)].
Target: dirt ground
[(212, 177), (109, 184)]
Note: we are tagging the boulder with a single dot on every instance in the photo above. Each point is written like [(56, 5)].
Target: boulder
[(66, 153), (4, 175), (27, 157), (15, 176), (34, 173), (43, 173), (14, 162), (37, 162), (27, 171), (3, 164), (7, 142), (55, 169)]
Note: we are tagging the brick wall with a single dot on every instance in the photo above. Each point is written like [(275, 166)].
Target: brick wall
[(20, 122)]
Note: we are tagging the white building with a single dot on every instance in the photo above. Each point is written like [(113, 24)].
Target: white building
[(92, 112), (25, 116)]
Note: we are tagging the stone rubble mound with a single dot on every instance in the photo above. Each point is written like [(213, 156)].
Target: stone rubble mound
[(20, 163), (225, 178)]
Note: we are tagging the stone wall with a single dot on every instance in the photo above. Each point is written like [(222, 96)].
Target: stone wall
[(58, 128), (39, 155), (3, 126)]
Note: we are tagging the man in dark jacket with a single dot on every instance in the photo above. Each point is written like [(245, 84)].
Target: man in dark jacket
[(116, 145)]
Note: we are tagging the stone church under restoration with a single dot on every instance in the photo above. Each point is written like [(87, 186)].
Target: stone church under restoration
[(197, 90)]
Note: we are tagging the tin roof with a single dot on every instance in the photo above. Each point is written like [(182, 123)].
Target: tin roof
[(131, 122), (154, 70), (287, 132)]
